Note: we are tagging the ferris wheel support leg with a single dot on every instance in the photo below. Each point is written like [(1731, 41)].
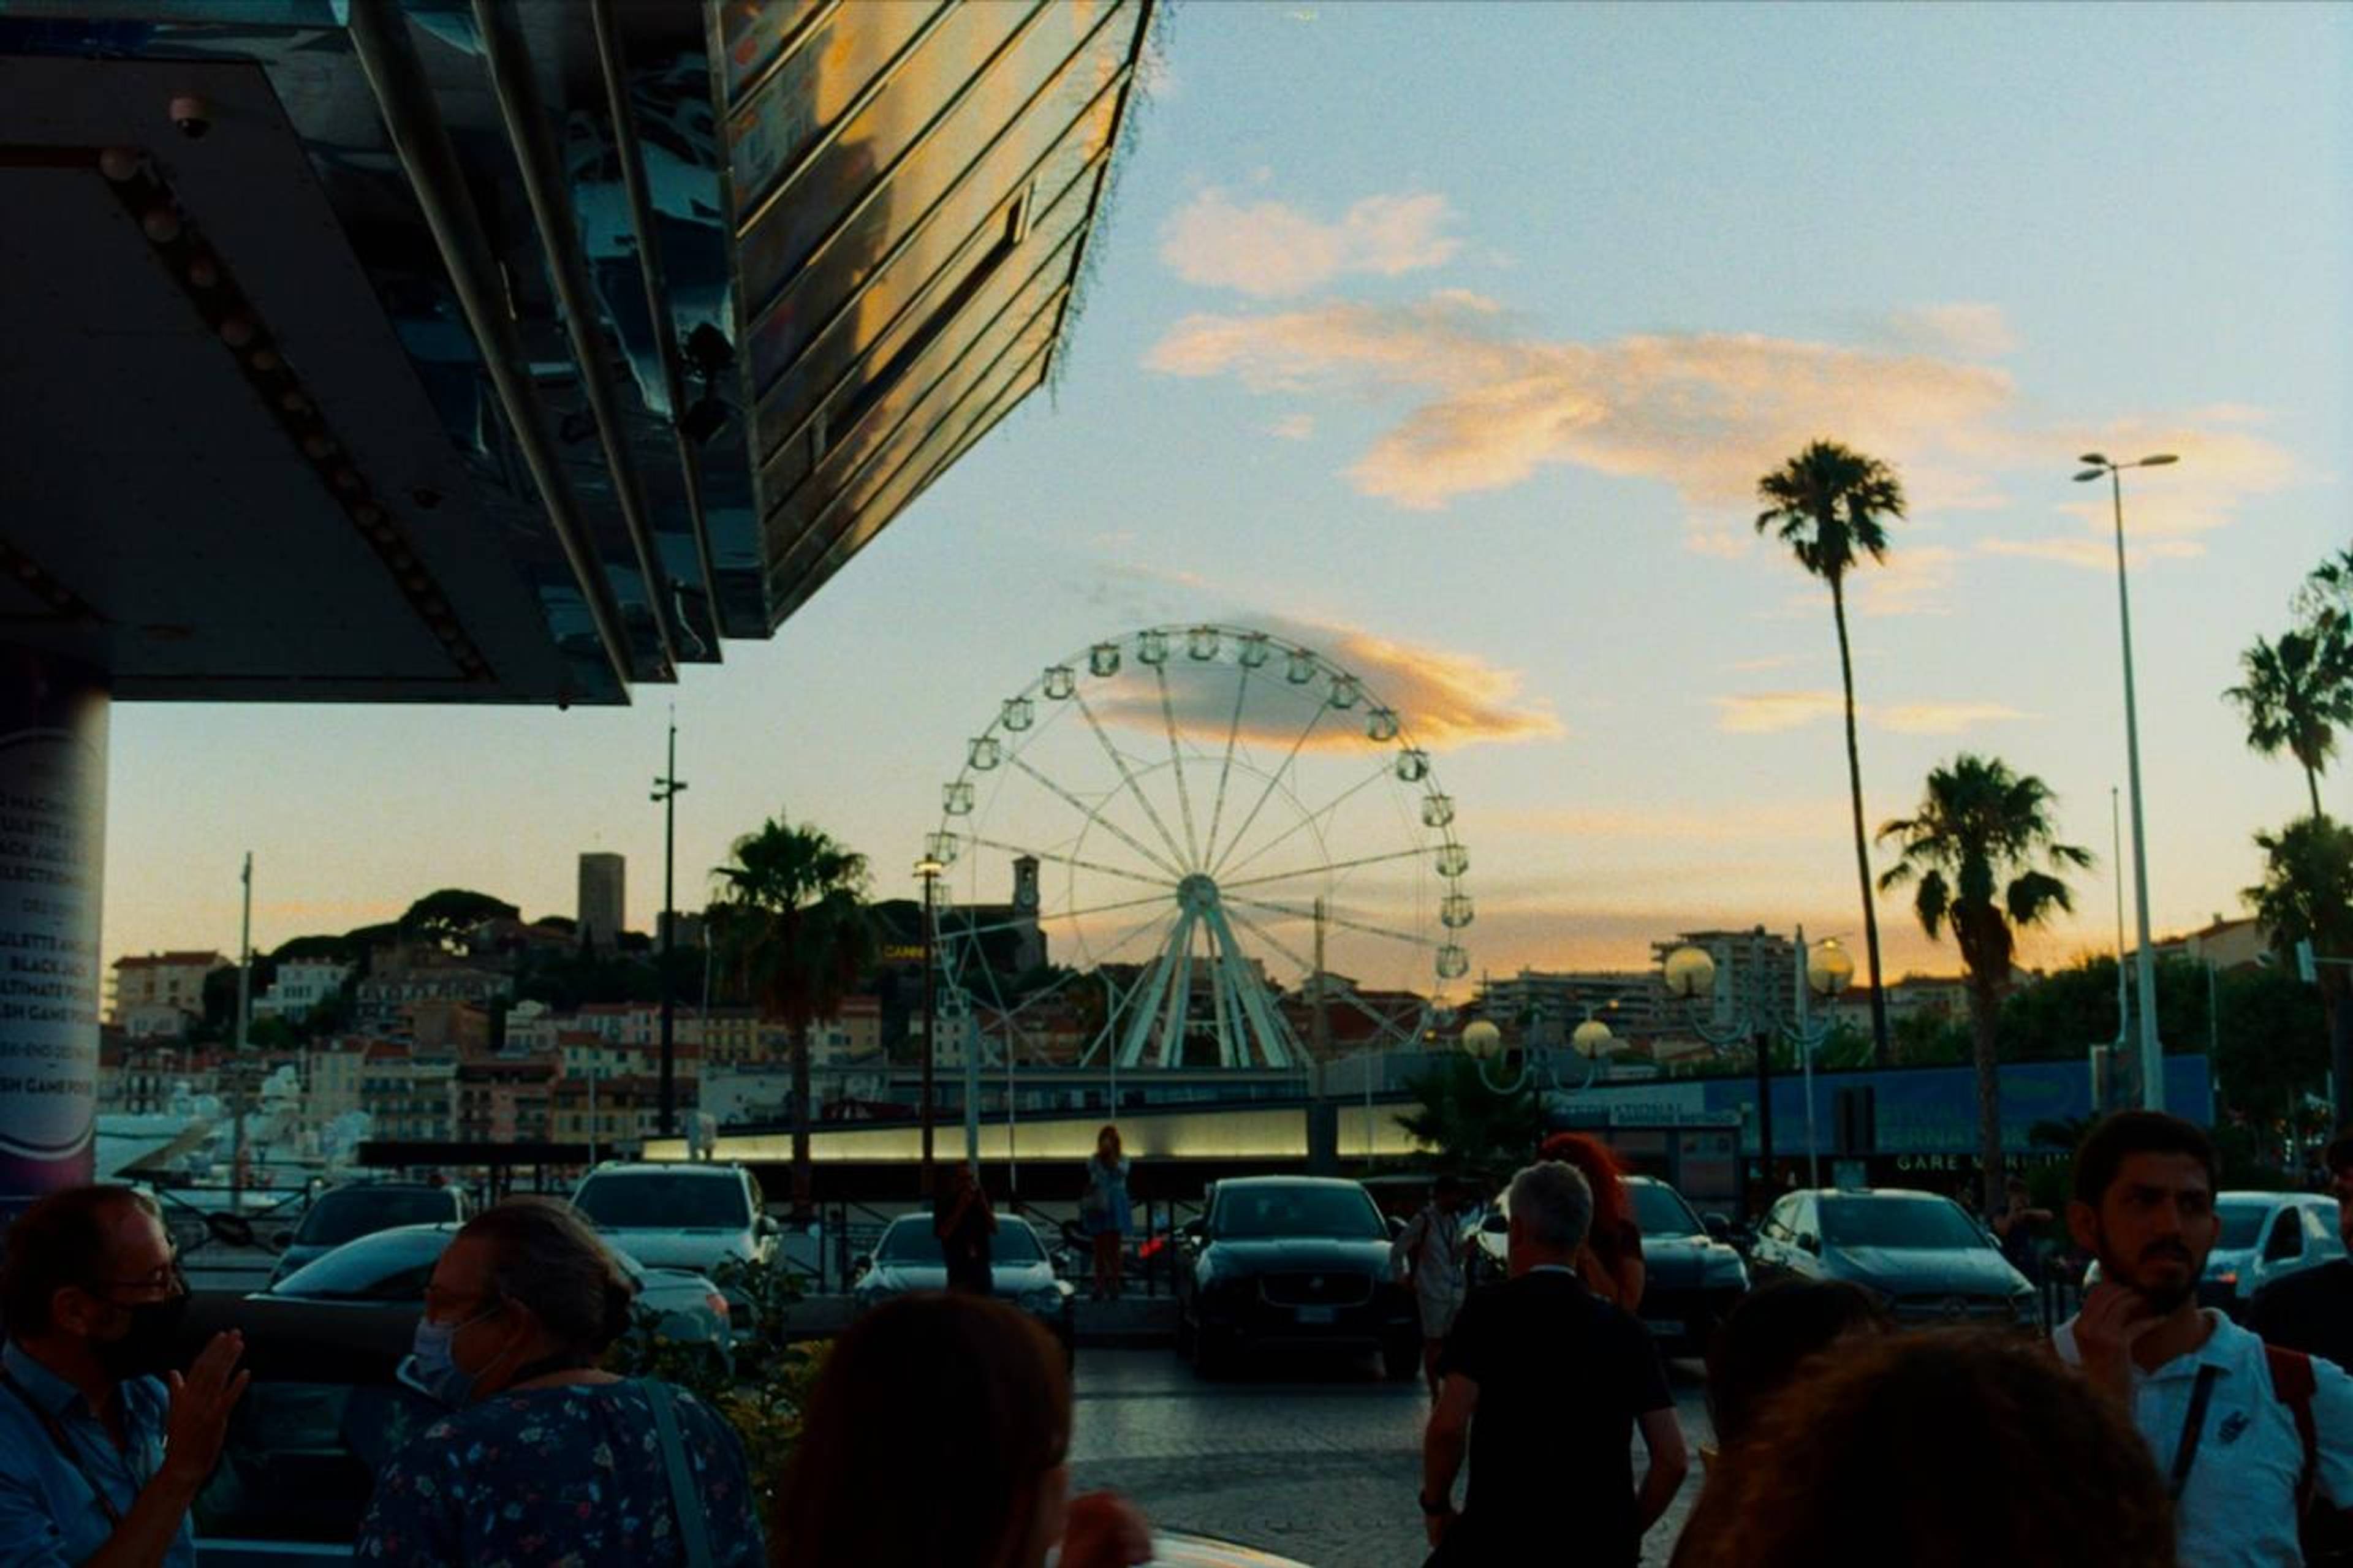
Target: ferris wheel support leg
[(1146, 1000), (1229, 1018), (1180, 991), (1274, 1037)]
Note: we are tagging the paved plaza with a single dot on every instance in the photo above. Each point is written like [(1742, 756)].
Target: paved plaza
[(1315, 1459)]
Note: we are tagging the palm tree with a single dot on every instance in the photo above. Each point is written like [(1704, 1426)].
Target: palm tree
[(791, 928), (2307, 895), (2296, 691), (1471, 1126), (1971, 847), (1826, 503)]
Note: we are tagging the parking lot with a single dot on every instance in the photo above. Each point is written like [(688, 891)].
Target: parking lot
[(1317, 1460)]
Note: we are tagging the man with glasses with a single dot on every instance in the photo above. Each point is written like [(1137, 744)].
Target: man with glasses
[(100, 1457)]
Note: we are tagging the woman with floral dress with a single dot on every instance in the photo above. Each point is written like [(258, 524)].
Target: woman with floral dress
[(543, 1458)]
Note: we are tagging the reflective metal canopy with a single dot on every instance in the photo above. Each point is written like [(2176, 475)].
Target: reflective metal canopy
[(511, 350)]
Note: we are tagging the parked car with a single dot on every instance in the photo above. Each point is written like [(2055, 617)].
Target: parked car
[(392, 1267), (2264, 1236), (1292, 1261), (696, 1215), (1921, 1254), (908, 1257), (325, 1412), (345, 1214), (1691, 1278)]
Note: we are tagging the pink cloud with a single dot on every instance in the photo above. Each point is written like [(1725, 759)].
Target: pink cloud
[(1269, 249)]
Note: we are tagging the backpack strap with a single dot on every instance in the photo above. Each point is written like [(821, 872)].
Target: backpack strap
[(2294, 1385)]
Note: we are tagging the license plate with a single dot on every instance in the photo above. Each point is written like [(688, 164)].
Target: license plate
[(1316, 1315), (1669, 1327)]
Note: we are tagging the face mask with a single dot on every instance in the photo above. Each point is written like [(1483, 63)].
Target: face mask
[(432, 1366), (145, 1348)]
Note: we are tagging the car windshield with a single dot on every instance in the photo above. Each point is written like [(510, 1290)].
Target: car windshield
[(911, 1241), (1899, 1223), (663, 1202), (390, 1265), (1660, 1211), (351, 1212), (1261, 1213), (2243, 1222)]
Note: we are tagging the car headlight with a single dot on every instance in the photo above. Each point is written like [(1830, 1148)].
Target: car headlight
[(1046, 1301), (2027, 1307), (1725, 1268)]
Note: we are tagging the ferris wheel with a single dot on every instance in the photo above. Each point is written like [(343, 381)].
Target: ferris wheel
[(1179, 815)]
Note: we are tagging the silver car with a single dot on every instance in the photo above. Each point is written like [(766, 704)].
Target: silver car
[(908, 1259), (393, 1266)]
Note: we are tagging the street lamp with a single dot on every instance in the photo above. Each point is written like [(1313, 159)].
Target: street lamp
[(1825, 972), (2152, 1054), (929, 868), (664, 794), (1481, 1040)]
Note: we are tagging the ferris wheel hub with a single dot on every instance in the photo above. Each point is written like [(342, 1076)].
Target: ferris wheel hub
[(1197, 893)]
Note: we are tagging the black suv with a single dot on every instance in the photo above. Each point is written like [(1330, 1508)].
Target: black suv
[(1292, 1261)]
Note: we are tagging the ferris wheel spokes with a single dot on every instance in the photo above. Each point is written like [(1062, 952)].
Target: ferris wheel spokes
[(1328, 918), (1095, 814), (1176, 766), (1070, 860), (1119, 760), (1273, 780), (1228, 884), (1226, 768), (1309, 818)]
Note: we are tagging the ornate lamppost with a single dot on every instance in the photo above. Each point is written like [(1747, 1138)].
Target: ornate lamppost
[(1823, 970)]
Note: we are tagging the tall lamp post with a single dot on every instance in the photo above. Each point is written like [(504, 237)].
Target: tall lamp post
[(929, 868), (2152, 1054), (1823, 970), (665, 789)]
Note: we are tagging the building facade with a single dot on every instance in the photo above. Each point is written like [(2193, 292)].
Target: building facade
[(161, 994), (604, 903)]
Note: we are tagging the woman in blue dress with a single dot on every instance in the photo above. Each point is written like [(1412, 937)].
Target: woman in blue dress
[(543, 1458), (1104, 1211)]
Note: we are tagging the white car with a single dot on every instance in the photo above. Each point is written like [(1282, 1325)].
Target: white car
[(2264, 1236), (692, 1215)]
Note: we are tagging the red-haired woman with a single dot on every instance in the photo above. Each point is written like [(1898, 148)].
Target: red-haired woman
[(1611, 1260)]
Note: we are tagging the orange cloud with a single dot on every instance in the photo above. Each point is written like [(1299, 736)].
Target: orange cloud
[(2091, 554), (1488, 406), (1268, 249), (1443, 700), (1770, 713)]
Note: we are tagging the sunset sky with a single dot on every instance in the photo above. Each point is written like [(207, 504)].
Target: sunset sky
[(1453, 341)]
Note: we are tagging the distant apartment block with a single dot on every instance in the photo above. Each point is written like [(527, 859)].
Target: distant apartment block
[(603, 901), (160, 994), (385, 1001), (302, 985), (1551, 1004)]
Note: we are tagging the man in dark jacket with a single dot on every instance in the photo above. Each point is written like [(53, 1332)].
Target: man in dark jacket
[(1545, 1384)]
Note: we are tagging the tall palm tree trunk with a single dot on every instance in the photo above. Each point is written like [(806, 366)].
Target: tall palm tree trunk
[(1861, 848), (1985, 1015), (801, 1184), (2312, 782)]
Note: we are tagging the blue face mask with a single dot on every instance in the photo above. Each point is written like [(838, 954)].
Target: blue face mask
[(432, 1366)]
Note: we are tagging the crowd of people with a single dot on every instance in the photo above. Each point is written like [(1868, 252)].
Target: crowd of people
[(2145, 1432)]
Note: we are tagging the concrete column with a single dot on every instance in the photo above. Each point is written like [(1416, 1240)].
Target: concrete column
[(53, 717)]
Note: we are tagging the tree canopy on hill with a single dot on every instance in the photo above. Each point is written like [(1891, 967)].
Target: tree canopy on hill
[(447, 915)]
